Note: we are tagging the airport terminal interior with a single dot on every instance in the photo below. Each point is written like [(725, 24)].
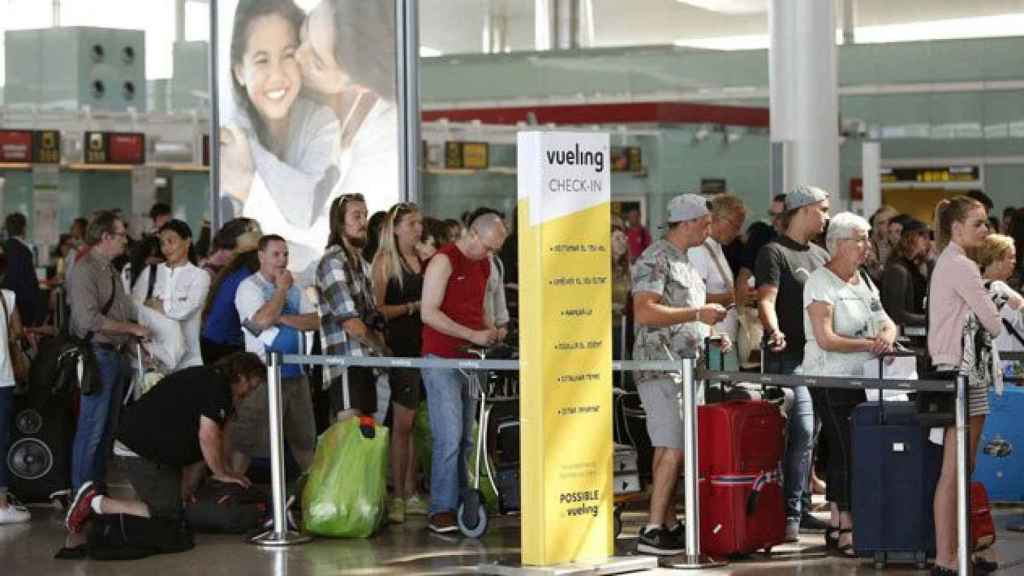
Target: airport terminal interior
[(415, 188)]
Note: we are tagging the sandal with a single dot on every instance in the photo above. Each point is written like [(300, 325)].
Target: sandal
[(845, 551), (831, 537)]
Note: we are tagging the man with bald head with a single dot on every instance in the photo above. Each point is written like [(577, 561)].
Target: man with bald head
[(452, 309)]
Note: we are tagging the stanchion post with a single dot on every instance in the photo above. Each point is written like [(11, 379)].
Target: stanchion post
[(963, 531), (279, 534), (693, 558)]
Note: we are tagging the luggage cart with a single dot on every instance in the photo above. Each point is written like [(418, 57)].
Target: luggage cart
[(472, 514)]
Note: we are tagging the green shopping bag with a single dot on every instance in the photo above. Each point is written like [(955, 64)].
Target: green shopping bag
[(345, 492)]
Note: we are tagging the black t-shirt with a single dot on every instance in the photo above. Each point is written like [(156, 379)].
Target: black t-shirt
[(787, 264), (759, 234), (163, 426)]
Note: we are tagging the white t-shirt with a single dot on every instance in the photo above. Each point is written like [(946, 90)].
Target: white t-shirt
[(1006, 341), (703, 258), (856, 313), (6, 370), (249, 299), (183, 290)]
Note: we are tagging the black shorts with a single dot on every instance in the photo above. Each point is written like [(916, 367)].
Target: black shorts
[(405, 386), (158, 485), (358, 393)]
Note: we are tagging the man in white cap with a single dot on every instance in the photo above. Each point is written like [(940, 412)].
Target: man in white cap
[(672, 319), (781, 269)]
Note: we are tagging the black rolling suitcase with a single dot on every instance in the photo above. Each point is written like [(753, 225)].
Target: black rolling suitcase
[(895, 470)]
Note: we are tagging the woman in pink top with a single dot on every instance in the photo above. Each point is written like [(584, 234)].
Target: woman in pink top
[(956, 290)]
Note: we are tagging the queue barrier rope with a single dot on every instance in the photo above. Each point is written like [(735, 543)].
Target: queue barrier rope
[(279, 535)]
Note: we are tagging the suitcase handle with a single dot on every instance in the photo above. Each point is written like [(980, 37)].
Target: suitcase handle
[(899, 352)]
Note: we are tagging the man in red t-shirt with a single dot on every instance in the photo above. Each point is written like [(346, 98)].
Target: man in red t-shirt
[(637, 236), (452, 309)]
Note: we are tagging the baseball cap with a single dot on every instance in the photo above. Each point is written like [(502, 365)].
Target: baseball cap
[(803, 195), (911, 225), (687, 207)]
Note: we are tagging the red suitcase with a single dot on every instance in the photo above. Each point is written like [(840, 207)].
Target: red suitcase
[(983, 531), (740, 457)]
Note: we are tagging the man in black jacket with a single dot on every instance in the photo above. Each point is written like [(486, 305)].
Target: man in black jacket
[(171, 431), (21, 272)]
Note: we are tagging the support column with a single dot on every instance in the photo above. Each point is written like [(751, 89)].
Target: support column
[(849, 21), (804, 93), (871, 176), (179, 20), (407, 55)]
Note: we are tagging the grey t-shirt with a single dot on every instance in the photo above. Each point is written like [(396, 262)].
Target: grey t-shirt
[(665, 270), (787, 264)]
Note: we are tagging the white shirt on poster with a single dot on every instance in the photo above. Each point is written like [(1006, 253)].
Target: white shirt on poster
[(6, 370), (183, 290), (710, 262)]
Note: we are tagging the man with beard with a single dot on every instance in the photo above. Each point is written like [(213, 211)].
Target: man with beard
[(274, 312), (349, 320)]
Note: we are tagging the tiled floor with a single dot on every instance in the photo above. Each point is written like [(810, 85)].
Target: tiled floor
[(408, 549)]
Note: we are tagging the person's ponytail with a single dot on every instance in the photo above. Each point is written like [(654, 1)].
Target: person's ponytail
[(943, 228)]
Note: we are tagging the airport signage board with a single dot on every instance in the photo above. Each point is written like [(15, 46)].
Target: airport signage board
[(564, 220)]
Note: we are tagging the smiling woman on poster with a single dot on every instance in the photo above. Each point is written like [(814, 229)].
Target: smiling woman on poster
[(311, 115)]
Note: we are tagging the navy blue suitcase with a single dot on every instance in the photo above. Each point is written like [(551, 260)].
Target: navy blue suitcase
[(895, 470)]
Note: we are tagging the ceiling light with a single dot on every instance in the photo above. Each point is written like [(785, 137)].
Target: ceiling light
[(729, 6)]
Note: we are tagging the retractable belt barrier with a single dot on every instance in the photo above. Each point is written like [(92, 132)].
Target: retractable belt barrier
[(279, 535)]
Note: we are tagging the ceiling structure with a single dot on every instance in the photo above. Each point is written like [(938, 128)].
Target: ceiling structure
[(456, 26)]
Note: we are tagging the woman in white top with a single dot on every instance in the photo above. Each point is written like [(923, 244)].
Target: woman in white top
[(9, 512), (178, 291), (347, 57), (845, 326), (997, 257)]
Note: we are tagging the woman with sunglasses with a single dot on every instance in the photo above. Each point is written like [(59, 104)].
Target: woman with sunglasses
[(397, 274)]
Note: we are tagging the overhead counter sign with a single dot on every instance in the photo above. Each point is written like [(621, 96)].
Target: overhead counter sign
[(565, 343), (30, 146)]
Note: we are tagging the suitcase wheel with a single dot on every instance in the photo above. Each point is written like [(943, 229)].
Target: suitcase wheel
[(617, 520), (920, 560), (879, 560), (472, 515)]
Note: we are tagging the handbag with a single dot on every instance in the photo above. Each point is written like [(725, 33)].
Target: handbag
[(20, 364)]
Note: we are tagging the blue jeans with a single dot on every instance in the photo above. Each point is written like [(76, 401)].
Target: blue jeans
[(796, 463), (97, 420), (6, 417), (452, 412)]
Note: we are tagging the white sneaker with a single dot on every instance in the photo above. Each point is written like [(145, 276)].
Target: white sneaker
[(14, 514)]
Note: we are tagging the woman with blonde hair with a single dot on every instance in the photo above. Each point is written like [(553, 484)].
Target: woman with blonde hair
[(397, 274), (997, 258), (959, 309)]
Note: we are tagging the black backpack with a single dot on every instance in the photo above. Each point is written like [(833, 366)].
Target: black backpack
[(126, 537), (227, 509)]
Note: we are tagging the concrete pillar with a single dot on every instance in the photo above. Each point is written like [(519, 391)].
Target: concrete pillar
[(494, 33), (849, 21), (804, 97), (179, 20), (557, 24), (871, 176)]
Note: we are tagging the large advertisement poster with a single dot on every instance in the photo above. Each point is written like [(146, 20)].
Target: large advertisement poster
[(307, 114)]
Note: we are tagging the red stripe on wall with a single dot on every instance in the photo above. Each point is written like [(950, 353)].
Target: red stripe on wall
[(625, 113)]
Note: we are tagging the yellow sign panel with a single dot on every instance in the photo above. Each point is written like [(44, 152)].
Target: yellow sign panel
[(565, 347)]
